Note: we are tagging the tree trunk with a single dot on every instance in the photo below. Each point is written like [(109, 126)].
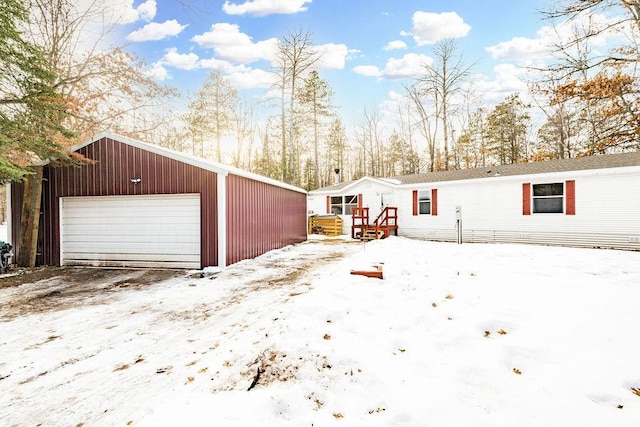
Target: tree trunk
[(315, 142), (30, 219)]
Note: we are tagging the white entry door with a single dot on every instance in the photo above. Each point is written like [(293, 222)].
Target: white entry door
[(386, 199), (131, 231)]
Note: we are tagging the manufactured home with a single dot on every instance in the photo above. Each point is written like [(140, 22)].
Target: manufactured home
[(141, 205), (588, 201)]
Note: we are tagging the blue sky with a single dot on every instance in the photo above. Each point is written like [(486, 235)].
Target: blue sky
[(371, 46)]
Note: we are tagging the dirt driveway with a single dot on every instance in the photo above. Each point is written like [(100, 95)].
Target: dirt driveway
[(78, 344), (58, 288)]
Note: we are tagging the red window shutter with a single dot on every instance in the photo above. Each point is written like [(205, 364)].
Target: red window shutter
[(328, 204), (434, 201), (571, 197), (415, 202), (526, 199), (359, 200)]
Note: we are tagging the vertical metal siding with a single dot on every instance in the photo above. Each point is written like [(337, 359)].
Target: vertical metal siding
[(115, 164), (262, 217)]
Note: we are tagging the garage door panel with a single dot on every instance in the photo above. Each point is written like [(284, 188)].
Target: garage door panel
[(140, 231), (167, 212), (172, 211), (161, 248), (136, 264), (107, 217), (110, 238), (128, 257), (156, 227)]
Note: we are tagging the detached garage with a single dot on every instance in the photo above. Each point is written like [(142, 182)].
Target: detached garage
[(140, 205)]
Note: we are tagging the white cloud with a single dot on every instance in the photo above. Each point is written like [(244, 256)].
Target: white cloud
[(410, 65), (265, 7), (396, 44), (250, 79), (333, 56), (158, 72), (507, 79), (521, 48), (395, 102), (217, 65), (230, 44), (240, 76), (429, 28), (129, 14), (527, 50), (183, 61), (147, 10), (156, 31), (367, 70)]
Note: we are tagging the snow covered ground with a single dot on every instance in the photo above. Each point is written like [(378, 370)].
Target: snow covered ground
[(454, 335)]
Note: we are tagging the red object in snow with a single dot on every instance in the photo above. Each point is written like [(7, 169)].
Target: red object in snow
[(377, 273)]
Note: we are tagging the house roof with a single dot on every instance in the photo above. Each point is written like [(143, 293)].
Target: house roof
[(606, 161), (187, 158), (343, 186)]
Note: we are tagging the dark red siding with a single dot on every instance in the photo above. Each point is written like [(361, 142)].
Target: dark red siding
[(262, 217), (116, 163)]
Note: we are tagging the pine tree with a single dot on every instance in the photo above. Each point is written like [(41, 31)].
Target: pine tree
[(31, 111)]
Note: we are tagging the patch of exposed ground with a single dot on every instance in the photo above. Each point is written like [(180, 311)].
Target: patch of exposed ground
[(59, 288), (286, 272), (144, 328), (19, 276), (45, 289)]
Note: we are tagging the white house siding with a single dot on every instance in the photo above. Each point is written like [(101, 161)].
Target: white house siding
[(372, 193), (607, 210)]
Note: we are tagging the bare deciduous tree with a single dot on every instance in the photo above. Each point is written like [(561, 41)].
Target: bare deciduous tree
[(601, 85), (443, 81), (427, 121), (211, 113), (315, 99), (296, 54)]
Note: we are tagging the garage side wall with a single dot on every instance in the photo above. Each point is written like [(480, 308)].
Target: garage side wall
[(116, 164), (262, 217)]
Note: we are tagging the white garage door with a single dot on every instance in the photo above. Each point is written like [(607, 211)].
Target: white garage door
[(131, 231)]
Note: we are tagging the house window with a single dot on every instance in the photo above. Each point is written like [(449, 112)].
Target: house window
[(424, 202), (343, 204), (548, 198), (336, 205)]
